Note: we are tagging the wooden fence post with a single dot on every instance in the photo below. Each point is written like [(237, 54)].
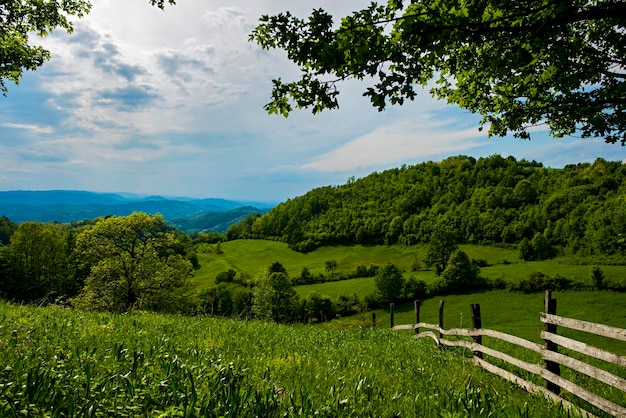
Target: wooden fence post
[(477, 323), (550, 306), (417, 305), (441, 317), (391, 313)]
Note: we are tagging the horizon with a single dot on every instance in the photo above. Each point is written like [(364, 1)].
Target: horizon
[(173, 106)]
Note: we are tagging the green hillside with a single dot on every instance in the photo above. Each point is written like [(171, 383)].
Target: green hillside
[(60, 362), (579, 210), (249, 257)]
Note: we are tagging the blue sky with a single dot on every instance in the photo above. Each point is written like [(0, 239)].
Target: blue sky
[(171, 103)]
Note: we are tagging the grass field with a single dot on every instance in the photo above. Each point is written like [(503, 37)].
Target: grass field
[(252, 256), (60, 362)]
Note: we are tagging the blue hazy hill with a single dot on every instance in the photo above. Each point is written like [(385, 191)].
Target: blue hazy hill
[(72, 205)]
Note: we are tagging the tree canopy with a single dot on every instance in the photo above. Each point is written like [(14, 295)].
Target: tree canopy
[(579, 209), (132, 262), (19, 19), (517, 64)]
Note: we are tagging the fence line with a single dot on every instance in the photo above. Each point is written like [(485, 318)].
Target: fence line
[(550, 370)]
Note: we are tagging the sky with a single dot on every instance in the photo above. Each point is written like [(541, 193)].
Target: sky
[(170, 103)]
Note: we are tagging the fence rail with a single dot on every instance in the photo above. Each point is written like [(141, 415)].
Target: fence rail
[(550, 370)]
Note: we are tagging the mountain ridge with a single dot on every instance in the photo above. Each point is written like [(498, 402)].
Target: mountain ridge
[(75, 205)]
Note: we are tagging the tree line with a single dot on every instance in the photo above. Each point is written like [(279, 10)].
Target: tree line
[(579, 210), (113, 263)]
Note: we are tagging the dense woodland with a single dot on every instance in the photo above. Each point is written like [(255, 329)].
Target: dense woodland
[(578, 210)]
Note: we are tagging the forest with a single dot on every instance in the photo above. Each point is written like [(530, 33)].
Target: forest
[(578, 210)]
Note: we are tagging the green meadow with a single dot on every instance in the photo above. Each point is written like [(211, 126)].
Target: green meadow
[(60, 362), (250, 257)]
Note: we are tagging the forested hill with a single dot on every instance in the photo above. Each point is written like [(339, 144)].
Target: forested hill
[(580, 209)]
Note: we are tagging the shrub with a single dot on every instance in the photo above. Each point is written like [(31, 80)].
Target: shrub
[(389, 283), (539, 282), (460, 273), (415, 289), (597, 277), (480, 262)]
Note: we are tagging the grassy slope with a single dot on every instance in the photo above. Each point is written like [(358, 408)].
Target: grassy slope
[(252, 256), (71, 363)]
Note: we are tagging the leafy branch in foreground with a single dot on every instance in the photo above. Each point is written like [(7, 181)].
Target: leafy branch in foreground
[(19, 19), (518, 64)]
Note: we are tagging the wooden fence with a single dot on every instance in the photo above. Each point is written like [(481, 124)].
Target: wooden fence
[(549, 351)]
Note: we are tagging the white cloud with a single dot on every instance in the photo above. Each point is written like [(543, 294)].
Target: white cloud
[(31, 128), (397, 143)]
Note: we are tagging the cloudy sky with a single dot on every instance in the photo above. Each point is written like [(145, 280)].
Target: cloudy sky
[(171, 102)]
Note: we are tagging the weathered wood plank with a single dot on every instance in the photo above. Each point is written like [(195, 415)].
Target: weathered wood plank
[(589, 370), (585, 348), (590, 327), (529, 367), (403, 327), (592, 398), (428, 334), (530, 387), (465, 332)]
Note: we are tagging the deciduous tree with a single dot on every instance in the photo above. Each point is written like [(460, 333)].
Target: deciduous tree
[(461, 273), (38, 261), (274, 297), (440, 248), (132, 262), (517, 64), (389, 283)]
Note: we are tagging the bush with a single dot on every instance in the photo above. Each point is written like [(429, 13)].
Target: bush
[(499, 283), (539, 282), (480, 262), (225, 276), (461, 273), (415, 289), (361, 271), (597, 277), (389, 283), (319, 308), (348, 305)]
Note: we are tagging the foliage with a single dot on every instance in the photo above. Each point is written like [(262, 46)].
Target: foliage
[(537, 249), (461, 273), (318, 308), (132, 262), (597, 277), (518, 65), (441, 246), (331, 266), (580, 210), (540, 282), (389, 283), (415, 289), (226, 276), (274, 297), (21, 19), (7, 228), (38, 263)]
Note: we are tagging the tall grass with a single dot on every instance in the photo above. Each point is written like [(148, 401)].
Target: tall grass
[(518, 314), (59, 362)]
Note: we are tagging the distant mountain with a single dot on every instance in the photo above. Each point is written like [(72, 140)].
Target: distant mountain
[(215, 221), (71, 205)]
